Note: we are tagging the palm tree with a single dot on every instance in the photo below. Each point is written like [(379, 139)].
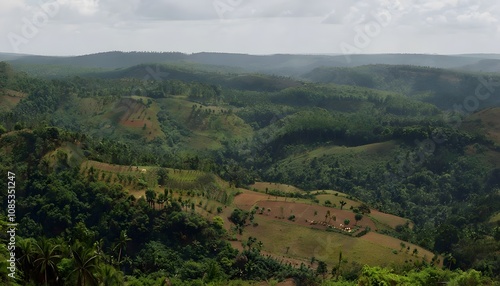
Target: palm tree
[(47, 257), (150, 197), (161, 200), (86, 264), (121, 244), (26, 258), (108, 275)]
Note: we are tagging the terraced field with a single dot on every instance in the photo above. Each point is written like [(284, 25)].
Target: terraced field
[(291, 229)]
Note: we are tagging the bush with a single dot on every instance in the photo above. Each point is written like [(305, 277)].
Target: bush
[(363, 232)]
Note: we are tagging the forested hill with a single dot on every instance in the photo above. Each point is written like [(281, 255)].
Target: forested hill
[(441, 87), (280, 64), (379, 134)]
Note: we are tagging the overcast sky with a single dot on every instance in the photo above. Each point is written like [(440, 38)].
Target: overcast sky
[(74, 27)]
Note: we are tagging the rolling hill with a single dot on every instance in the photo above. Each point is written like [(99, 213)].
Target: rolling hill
[(269, 163), (280, 64)]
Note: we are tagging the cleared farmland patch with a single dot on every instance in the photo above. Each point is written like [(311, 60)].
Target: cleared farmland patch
[(389, 219), (299, 242), (9, 99), (208, 124), (397, 244), (263, 186)]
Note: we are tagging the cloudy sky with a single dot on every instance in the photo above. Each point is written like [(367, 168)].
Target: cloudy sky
[(74, 27)]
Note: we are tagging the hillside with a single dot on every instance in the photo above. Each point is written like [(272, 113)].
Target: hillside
[(485, 122), (280, 64), (251, 175), (275, 210), (443, 88)]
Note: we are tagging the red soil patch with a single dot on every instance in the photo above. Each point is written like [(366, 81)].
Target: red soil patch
[(248, 199), (304, 215), (11, 99), (106, 167), (135, 114), (136, 123), (288, 282)]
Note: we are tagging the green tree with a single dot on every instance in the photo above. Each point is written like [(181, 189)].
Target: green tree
[(327, 215), (151, 197), (121, 244), (47, 257), (162, 176), (358, 217), (108, 275), (85, 264), (322, 268), (342, 204), (5, 74), (403, 246), (239, 217), (364, 208), (2, 129), (26, 257), (161, 200)]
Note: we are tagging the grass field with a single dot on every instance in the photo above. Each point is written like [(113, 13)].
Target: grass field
[(335, 200), (262, 186), (359, 157), (486, 121), (299, 242), (495, 218), (70, 153), (213, 125), (363, 154), (135, 115), (388, 219), (295, 241), (136, 179), (9, 99), (382, 148)]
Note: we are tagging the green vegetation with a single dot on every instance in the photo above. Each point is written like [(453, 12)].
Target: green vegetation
[(132, 181)]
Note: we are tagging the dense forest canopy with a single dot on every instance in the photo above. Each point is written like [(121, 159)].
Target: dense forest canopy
[(382, 135)]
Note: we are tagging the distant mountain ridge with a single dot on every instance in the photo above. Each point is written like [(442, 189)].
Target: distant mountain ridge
[(279, 64)]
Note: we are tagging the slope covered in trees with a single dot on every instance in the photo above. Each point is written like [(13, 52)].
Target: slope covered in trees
[(443, 88), (387, 142)]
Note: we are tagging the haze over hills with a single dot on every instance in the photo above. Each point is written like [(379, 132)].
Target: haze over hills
[(280, 64), (257, 167)]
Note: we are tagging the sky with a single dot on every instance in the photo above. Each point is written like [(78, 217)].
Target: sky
[(76, 27)]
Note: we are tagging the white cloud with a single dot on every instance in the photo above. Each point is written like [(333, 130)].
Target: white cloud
[(255, 26), (84, 7)]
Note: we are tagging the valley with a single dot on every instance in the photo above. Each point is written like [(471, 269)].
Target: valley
[(236, 175)]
